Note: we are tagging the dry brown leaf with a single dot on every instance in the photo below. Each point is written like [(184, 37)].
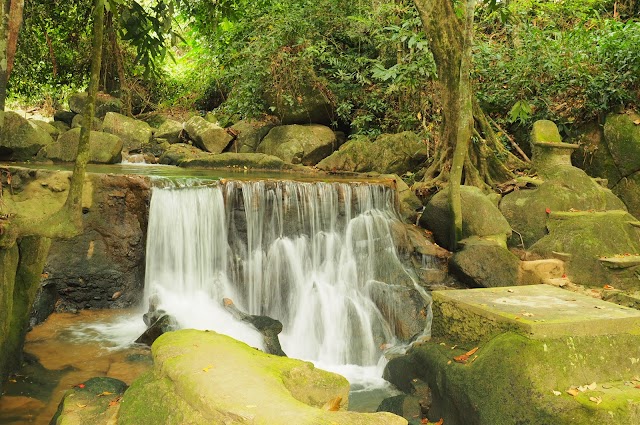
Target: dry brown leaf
[(573, 391), (81, 405), (592, 386), (333, 405), (104, 393), (596, 400), (637, 122), (206, 368), (556, 393)]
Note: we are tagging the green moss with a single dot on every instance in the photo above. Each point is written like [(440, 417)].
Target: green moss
[(513, 378)]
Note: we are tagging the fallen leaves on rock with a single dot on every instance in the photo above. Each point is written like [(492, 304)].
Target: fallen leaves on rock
[(104, 393), (596, 400), (575, 390), (609, 287), (556, 393), (426, 421), (333, 405), (82, 406), (206, 368), (115, 401), (463, 358)]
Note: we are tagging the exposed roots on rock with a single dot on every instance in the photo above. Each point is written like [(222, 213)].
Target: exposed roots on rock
[(488, 163)]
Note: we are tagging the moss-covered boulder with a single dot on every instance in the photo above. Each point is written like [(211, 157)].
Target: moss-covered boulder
[(21, 139), (53, 131), (104, 104), (135, 134), (204, 377), (564, 188), (78, 121), (628, 189), (526, 355), (207, 136), (179, 152), (485, 263), (310, 104), (169, 130), (104, 148), (591, 239), (240, 161), (249, 134), (96, 403), (516, 380), (622, 135), (593, 154), (299, 144), (388, 154), (480, 217)]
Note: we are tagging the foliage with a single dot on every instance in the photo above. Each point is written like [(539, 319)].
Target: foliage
[(372, 63), (568, 75)]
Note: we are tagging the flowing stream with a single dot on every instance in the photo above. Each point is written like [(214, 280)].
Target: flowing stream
[(306, 254)]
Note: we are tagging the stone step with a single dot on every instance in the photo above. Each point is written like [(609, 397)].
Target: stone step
[(535, 311)]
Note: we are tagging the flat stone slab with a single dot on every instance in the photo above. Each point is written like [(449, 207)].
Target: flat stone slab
[(535, 311)]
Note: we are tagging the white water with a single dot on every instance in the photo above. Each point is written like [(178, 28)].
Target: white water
[(302, 253)]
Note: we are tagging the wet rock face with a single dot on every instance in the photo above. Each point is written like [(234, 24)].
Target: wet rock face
[(104, 266)]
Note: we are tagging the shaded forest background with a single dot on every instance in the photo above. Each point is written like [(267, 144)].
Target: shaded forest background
[(568, 61)]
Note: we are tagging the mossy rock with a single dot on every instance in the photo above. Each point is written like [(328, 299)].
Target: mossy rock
[(78, 121), (589, 236), (207, 136), (299, 144), (202, 377), (249, 134), (96, 403), (240, 161), (104, 148), (545, 131), (22, 139), (628, 189), (593, 155), (169, 130), (53, 131), (178, 153), (565, 188), (511, 380), (135, 134), (485, 264), (623, 139), (104, 104), (310, 105), (480, 217), (388, 154)]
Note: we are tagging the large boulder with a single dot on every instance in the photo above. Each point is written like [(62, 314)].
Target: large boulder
[(409, 204), (178, 153), (309, 105), (485, 264), (622, 135), (565, 188), (94, 402), (169, 130), (480, 217), (21, 139), (600, 248), (78, 121), (207, 136), (249, 134), (388, 154), (204, 377), (104, 148), (299, 144), (240, 161), (53, 131), (135, 135), (104, 103)]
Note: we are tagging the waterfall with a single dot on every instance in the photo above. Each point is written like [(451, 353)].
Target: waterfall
[(303, 253)]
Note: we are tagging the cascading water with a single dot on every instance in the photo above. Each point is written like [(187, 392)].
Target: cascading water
[(303, 253)]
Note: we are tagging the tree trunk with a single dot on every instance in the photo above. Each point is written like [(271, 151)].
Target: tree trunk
[(15, 22), (456, 160), (67, 221), (5, 6)]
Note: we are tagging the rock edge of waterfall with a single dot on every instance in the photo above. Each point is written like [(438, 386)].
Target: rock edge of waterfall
[(202, 377)]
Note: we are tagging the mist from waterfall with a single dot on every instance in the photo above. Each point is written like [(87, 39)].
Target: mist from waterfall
[(303, 253)]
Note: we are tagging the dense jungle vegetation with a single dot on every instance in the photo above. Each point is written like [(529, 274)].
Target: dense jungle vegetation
[(569, 61)]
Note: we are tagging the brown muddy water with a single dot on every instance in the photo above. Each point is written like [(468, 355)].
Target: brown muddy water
[(68, 352)]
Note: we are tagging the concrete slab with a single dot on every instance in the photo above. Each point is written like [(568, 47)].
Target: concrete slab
[(535, 311)]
